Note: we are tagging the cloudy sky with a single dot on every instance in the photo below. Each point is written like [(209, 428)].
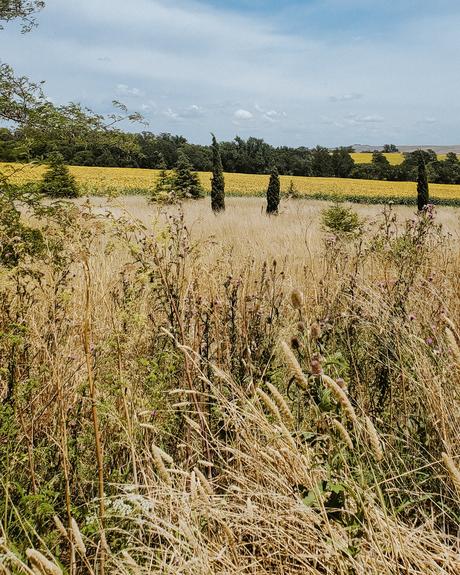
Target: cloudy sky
[(295, 72)]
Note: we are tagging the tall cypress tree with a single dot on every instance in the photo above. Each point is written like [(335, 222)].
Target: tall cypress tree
[(423, 196), (273, 192), (217, 180)]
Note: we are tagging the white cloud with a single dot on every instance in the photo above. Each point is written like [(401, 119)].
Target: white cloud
[(124, 90), (202, 63), (242, 115)]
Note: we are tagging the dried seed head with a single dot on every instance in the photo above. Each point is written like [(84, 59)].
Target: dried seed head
[(269, 404), (341, 398), (281, 404), (60, 527), (301, 327), (163, 473), (204, 482), (342, 431), (295, 343), (453, 344), (315, 331), (293, 367), (77, 537), (315, 364), (342, 383), (453, 470), (43, 565), (297, 299), (374, 440)]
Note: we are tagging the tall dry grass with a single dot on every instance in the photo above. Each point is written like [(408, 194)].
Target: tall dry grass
[(186, 393)]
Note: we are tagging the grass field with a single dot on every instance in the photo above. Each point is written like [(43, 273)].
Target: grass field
[(101, 181), (185, 393)]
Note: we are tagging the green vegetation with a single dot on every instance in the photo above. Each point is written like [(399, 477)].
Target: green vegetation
[(217, 179), (57, 182), (273, 192)]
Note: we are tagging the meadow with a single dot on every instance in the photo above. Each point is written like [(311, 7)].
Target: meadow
[(128, 181), (234, 394)]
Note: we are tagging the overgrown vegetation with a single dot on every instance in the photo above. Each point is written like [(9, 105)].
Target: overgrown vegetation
[(226, 418)]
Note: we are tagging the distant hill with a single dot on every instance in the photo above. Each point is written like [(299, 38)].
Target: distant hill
[(437, 149)]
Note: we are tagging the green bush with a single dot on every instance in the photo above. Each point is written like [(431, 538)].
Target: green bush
[(57, 181), (340, 219)]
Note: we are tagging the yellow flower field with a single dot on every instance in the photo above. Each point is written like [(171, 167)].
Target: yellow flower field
[(100, 181), (395, 158)]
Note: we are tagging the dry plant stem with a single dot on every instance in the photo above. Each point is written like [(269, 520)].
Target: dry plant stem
[(188, 373), (92, 390)]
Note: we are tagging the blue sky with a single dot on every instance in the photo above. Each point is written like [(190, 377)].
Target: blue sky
[(330, 72)]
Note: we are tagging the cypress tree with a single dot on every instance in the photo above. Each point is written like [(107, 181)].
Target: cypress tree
[(273, 192), (217, 180), (186, 181), (423, 196), (58, 182)]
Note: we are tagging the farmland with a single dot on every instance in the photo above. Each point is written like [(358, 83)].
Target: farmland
[(123, 181)]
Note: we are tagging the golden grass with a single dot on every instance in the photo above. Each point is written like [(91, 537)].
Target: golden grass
[(395, 158), (201, 473), (100, 181)]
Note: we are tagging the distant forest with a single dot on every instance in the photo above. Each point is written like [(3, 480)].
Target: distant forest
[(251, 156)]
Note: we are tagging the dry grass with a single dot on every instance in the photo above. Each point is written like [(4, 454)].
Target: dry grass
[(142, 361)]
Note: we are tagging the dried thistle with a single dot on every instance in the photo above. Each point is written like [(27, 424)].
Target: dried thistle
[(297, 299), (293, 367), (283, 407), (315, 331)]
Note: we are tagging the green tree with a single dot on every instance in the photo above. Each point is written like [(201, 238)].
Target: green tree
[(57, 182), (186, 181), (423, 196), (342, 163), (217, 179), (273, 192), (23, 9)]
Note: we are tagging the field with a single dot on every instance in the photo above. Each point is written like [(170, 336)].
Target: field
[(186, 393), (395, 158), (100, 181)]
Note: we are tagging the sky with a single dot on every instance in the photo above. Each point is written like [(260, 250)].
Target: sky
[(298, 72)]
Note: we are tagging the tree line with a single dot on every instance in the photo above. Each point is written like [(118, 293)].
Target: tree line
[(253, 156)]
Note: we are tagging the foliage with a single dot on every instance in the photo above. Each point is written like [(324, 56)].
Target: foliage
[(217, 179), (186, 181), (57, 181), (273, 192), (340, 219), (422, 185)]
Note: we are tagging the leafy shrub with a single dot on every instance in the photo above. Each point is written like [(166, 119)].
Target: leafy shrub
[(340, 219)]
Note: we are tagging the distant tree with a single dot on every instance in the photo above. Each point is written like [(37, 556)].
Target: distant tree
[(342, 163), (452, 158), (381, 165), (186, 181), (322, 162), (57, 182), (217, 179), (422, 184), (390, 149), (273, 192)]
